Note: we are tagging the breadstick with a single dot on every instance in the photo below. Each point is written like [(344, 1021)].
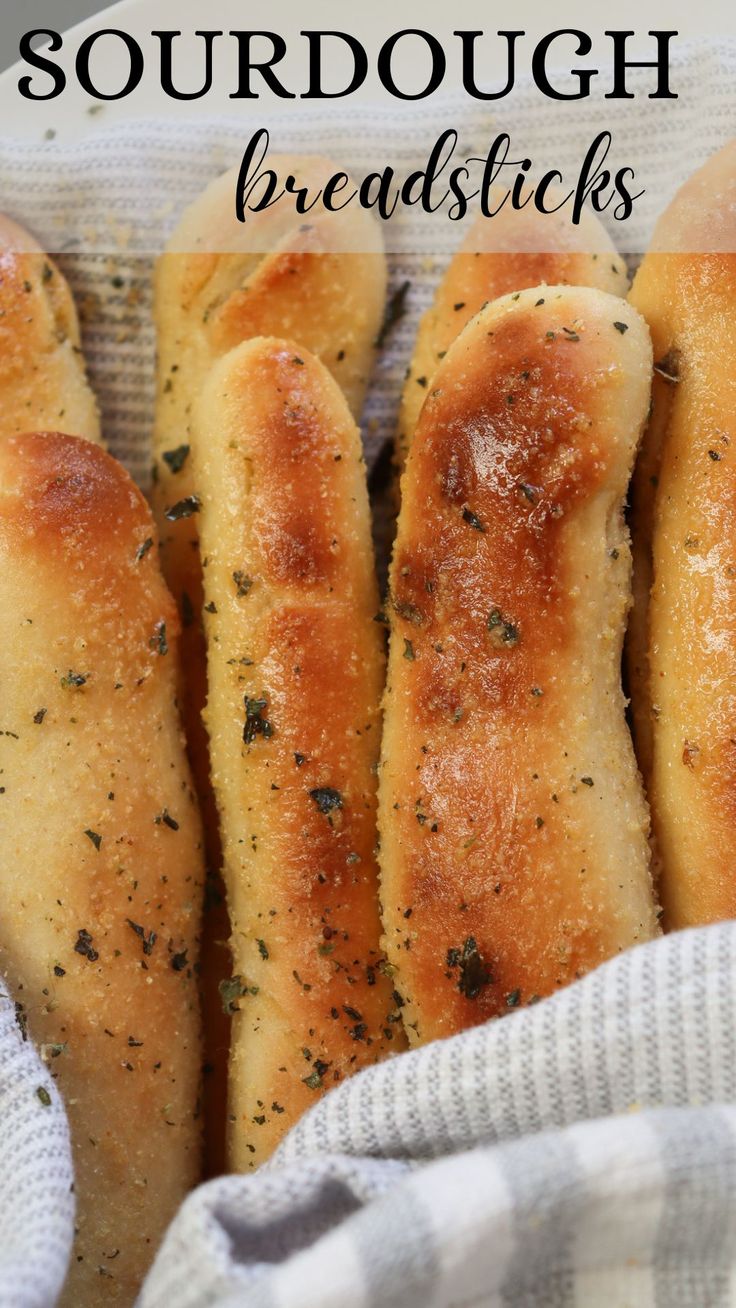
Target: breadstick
[(500, 256), (322, 279), (295, 670), (513, 829), (42, 378), (100, 859), (682, 651), (216, 288)]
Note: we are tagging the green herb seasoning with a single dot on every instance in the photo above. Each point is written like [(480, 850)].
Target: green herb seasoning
[(504, 633), (184, 508), (472, 519), (474, 972), (74, 679), (231, 991), (84, 946), (409, 612), (243, 583), (255, 723), (165, 819), (158, 641), (147, 938), (175, 459), (326, 798)]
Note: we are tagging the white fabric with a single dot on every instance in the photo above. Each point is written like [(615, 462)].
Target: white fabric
[(36, 1182), (580, 1153)]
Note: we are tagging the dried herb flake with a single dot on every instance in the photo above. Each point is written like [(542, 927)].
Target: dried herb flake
[(184, 508), (326, 798), (255, 723), (176, 458)]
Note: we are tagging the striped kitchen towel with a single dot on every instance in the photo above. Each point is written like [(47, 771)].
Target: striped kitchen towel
[(36, 1179), (579, 1152)]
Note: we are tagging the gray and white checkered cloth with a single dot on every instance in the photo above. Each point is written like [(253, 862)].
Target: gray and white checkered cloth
[(36, 1181), (580, 1153), (577, 1154)]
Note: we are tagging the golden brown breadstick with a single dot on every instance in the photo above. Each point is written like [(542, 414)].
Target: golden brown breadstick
[(682, 649), (42, 378), (295, 675), (212, 293), (500, 256), (320, 278), (100, 859), (513, 828)]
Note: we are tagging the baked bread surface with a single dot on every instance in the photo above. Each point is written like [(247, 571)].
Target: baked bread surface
[(100, 845), (295, 665), (513, 829), (43, 384), (499, 256), (682, 647), (321, 279)]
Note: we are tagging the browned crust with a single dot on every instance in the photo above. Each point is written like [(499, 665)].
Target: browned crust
[(682, 658), (509, 587), (285, 521), (510, 252), (215, 287), (42, 376), (93, 776)]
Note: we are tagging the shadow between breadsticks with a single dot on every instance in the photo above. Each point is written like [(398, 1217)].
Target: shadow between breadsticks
[(295, 669), (100, 846), (513, 828), (43, 384), (501, 255), (682, 645)]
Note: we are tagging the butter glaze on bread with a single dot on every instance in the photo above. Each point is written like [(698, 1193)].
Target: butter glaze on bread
[(42, 377), (295, 678), (682, 650), (100, 859), (513, 829), (499, 256)]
